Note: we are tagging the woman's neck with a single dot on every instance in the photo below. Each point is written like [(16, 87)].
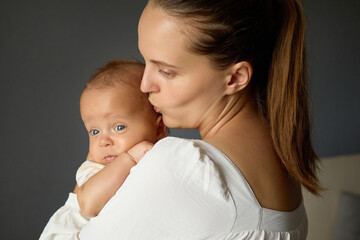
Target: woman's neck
[(232, 111)]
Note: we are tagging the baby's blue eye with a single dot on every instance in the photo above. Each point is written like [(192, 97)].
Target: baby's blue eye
[(119, 127), (94, 132)]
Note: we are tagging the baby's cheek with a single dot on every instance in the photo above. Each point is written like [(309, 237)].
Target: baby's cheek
[(132, 141), (94, 152)]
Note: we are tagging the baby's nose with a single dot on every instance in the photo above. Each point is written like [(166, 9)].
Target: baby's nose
[(106, 140)]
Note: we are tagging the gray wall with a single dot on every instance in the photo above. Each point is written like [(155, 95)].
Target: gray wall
[(334, 72), (48, 50)]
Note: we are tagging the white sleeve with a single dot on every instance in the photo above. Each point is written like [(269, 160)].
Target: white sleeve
[(175, 192), (66, 222), (88, 169)]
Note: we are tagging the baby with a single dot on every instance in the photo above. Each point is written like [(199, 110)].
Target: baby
[(117, 116)]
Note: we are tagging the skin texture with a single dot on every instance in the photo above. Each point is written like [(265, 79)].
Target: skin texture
[(116, 118), (115, 121), (191, 93), (185, 86)]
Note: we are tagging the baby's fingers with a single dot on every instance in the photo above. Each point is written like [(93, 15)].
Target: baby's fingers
[(139, 150)]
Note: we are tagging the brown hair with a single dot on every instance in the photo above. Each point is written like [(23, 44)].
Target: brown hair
[(270, 35), (117, 72)]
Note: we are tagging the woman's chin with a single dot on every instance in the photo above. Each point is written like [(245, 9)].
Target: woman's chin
[(171, 122), (177, 123)]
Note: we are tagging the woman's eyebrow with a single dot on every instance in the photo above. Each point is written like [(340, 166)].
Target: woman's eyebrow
[(163, 63)]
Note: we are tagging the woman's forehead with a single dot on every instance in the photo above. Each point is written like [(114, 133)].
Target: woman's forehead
[(162, 39), (154, 23)]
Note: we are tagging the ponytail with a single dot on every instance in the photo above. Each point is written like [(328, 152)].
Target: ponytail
[(287, 96), (270, 35)]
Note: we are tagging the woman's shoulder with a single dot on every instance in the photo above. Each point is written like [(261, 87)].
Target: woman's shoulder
[(174, 180), (184, 153), (191, 149), (179, 151), (187, 160), (174, 143), (175, 149)]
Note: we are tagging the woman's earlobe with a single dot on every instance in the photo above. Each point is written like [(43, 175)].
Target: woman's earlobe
[(240, 75)]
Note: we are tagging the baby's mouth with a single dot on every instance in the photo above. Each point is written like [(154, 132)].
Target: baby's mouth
[(109, 158)]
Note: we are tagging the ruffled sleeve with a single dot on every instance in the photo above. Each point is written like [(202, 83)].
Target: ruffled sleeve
[(86, 171), (175, 192)]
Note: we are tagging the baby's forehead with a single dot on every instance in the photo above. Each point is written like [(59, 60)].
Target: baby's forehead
[(119, 92), (127, 89)]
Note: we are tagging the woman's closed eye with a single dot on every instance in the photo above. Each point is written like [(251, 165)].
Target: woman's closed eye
[(167, 74)]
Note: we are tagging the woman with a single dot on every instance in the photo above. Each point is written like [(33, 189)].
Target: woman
[(235, 70)]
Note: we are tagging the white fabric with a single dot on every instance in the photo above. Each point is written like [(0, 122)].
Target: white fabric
[(188, 189), (86, 171), (66, 222)]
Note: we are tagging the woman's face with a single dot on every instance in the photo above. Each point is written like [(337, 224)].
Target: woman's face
[(183, 86)]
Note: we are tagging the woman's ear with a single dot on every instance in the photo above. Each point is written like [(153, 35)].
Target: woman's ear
[(239, 76), (162, 130)]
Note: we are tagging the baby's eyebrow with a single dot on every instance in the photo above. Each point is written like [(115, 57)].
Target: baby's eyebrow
[(121, 118), (116, 115)]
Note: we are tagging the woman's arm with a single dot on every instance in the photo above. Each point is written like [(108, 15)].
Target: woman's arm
[(96, 192)]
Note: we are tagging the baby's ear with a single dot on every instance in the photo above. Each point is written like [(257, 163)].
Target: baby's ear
[(162, 130)]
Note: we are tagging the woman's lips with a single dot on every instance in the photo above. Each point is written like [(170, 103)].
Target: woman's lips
[(109, 158), (156, 109)]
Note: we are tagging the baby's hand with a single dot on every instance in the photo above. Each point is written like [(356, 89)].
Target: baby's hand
[(139, 150)]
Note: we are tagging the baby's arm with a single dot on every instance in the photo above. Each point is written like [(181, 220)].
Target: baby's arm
[(97, 191), (76, 189)]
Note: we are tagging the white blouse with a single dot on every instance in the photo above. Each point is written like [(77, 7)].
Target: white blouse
[(188, 189)]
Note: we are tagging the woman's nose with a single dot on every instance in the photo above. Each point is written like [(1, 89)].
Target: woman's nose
[(148, 83), (105, 140)]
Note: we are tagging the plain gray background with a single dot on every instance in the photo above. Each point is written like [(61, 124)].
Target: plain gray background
[(49, 49)]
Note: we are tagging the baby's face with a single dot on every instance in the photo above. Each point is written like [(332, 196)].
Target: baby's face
[(116, 120)]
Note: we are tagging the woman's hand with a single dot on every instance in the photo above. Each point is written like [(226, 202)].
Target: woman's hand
[(139, 150)]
